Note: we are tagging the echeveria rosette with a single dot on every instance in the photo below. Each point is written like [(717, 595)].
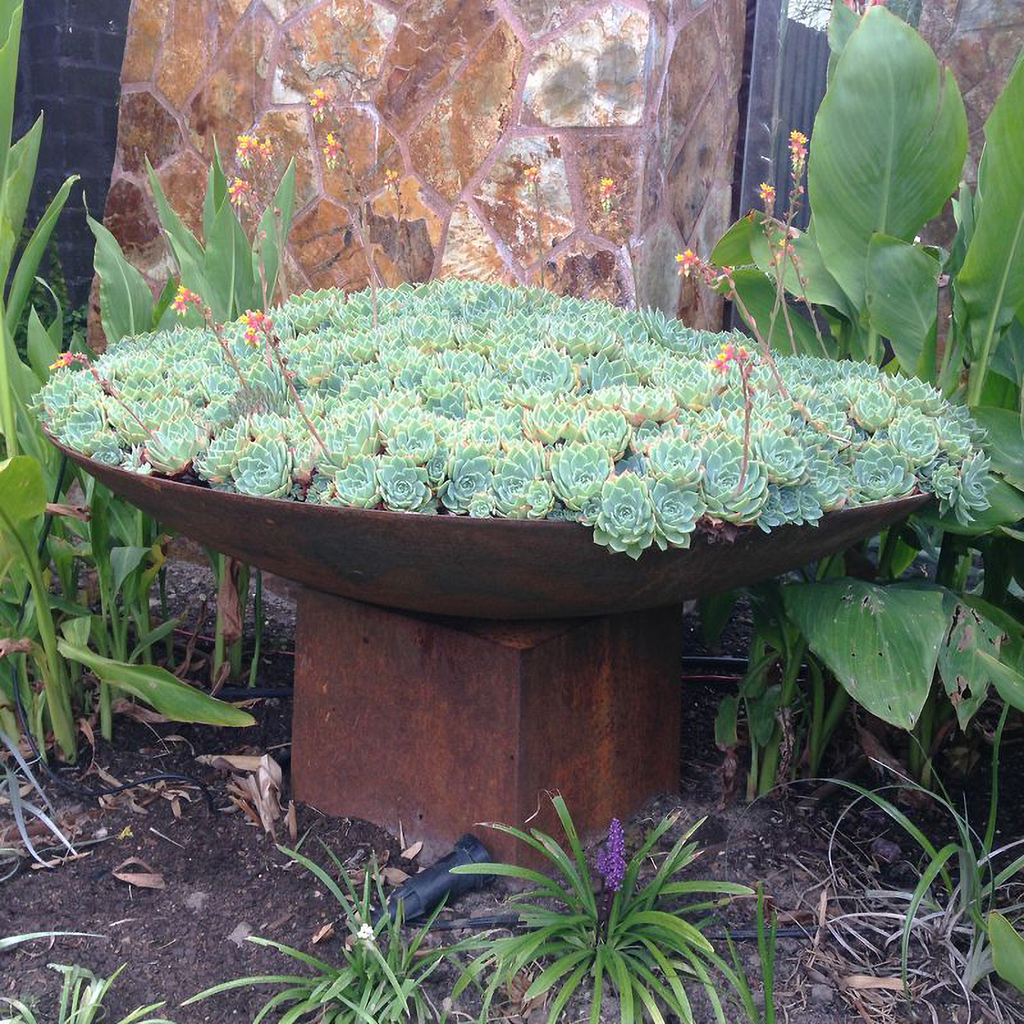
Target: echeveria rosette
[(355, 484), (470, 474), (782, 456), (625, 521), (677, 507), (675, 458), (873, 408), (85, 428), (264, 470), (218, 462), (962, 489), (880, 473), (915, 436), (348, 435), (797, 505), (731, 492), (610, 429), (403, 485), (514, 473), (579, 471), (417, 441), (171, 448)]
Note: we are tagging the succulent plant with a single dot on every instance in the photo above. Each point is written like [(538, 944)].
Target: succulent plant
[(579, 471), (403, 484), (470, 474), (732, 492), (264, 469), (479, 399), (625, 521), (677, 507), (880, 473)]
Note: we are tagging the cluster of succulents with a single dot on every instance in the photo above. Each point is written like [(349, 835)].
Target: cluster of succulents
[(472, 399)]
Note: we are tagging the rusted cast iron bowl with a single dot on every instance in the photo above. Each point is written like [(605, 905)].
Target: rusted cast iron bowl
[(478, 568)]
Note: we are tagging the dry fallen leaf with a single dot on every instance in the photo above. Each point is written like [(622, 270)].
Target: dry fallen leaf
[(232, 762), (324, 933), (867, 981), (145, 879), (144, 716), (413, 852), (395, 876), (291, 820), (258, 792)]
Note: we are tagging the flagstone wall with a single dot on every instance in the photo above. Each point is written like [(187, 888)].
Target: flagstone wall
[(442, 106)]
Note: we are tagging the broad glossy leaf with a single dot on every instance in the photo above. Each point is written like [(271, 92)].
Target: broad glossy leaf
[(22, 492), (964, 676), (21, 173), (1005, 443), (10, 41), (881, 643), (1007, 950), (124, 561), (40, 348), (126, 303), (1006, 679), (159, 689), (758, 295), (991, 282), (889, 144), (275, 227), (734, 247), (901, 294), (228, 268), (32, 255)]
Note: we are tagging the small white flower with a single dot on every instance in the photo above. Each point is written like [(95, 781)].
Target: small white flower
[(365, 934)]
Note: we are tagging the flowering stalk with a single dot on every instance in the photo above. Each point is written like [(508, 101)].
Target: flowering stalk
[(186, 299), (68, 359), (532, 177), (611, 865), (744, 362)]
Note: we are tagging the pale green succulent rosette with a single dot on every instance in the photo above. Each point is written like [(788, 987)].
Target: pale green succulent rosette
[(134, 461), (796, 505), (782, 456), (873, 408), (538, 499), (355, 485), (625, 521), (915, 436), (514, 474), (579, 471), (217, 463), (346, 436), (880, 473), (675, 458), (403, 485), (171, 448), (677, 507), (85, 428), (481, 506), (610, 429), (264, 470), (418, 442), (916, 393), (731, 493), (962, 489), (470, 473)]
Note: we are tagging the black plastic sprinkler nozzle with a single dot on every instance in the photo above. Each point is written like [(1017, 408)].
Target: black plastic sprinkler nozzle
[(421, 893)]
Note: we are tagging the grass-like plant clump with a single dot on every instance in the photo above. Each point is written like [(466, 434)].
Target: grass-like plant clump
[(481, 400)]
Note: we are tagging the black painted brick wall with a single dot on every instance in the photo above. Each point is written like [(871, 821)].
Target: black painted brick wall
[(70, 69)]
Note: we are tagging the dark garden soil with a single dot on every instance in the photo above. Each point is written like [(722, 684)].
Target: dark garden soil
[(224, 879)]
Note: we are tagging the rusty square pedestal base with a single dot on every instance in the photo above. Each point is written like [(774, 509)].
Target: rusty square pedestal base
[(440, 723)]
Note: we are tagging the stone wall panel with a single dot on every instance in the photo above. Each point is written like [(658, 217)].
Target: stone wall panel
[(445, 109)]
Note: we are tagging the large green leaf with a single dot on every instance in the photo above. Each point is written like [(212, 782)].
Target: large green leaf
[(888, 148), (964, 676), (10, 43), (158, 688), (228, 268), (881, 643), (902, 297), (991, 282), (1006, 679), (1005, 443), (733, 248), (272, 234), (126, 303), (40, 348), (1007, 950), (185, 249), (22, 501), (21, 173), (32, 255)]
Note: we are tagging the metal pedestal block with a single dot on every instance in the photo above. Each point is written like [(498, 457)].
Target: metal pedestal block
[(441, 723)]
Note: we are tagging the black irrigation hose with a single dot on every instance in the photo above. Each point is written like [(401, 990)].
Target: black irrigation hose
[(57, 780)]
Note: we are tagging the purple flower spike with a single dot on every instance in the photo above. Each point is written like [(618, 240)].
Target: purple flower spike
[(611, 861)]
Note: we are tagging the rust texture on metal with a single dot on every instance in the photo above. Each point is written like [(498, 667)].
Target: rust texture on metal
[(484, 568), (441, 724)]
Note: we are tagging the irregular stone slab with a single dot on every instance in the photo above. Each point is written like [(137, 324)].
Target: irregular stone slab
[(592, 74), (470, 251)]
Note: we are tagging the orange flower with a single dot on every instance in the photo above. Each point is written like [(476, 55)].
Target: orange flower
[(255, 323), (729, 354), (318, 104), (184, 299), (767, 194), (688, 262), (68, 359), (332, 149), (606, 190), (531, 174), (797, 150), (240, 191)]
